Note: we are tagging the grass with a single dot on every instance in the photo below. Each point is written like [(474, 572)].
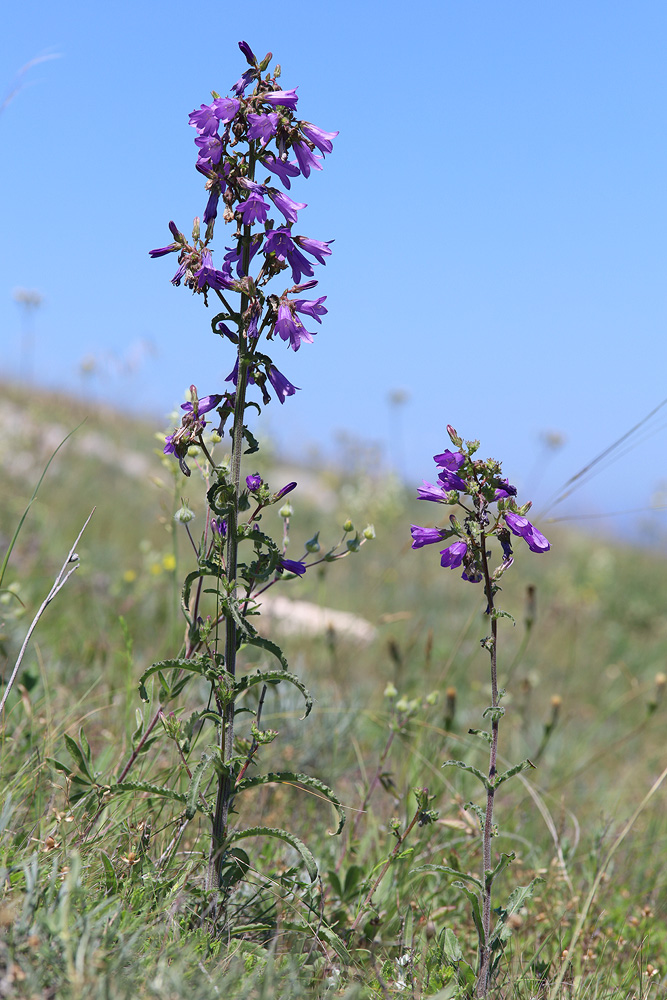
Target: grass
[(123, 911)]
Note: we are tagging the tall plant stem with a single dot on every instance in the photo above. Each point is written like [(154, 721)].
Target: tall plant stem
[(487, 877), (226, 780)]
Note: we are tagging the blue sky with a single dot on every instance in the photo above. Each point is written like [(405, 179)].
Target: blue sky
[(497, 197)]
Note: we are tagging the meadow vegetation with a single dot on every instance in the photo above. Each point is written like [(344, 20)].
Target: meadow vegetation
[(120, 907)]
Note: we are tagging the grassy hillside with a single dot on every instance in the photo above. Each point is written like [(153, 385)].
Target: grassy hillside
[(117, 910)]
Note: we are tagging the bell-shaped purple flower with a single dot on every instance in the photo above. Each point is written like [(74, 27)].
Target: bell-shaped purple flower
[(282, 168), (430, 492), (279, 241), (253, 482), (311, 307), (453, 555), (262, 127), (450, 460), (282, 98), (281, 386), (289, 326), (424, 536), (316, 248), (318, 136), (306, 158), (452, 482), (254, 209), (505, 491), (521, 526), (292, 566), (285, 204)]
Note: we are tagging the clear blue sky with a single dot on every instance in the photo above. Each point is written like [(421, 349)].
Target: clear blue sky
[(497, 195)]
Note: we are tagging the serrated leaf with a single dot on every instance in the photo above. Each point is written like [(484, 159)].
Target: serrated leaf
[(505, 861), (193, 791), (470, 769), (517, 769), (503, 929), (196, 665), (257, 640), (109, 873), (482, 733), (266, 676), (289, 838), (290, 777), (448, 871), (160, 790)]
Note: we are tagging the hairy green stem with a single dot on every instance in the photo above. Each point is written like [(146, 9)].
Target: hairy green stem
[(226, 780), (487, 877)]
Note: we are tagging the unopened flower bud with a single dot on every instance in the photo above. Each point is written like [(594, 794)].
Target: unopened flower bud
[(313, 545), (348, 526), (286, 510), (195, 228), (184, 515), (369, 531), (390, 691), (453, 436), (402, 704), (432, 698), (285, 490)]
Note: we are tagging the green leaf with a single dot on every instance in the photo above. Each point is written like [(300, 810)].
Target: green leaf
[(109, 874), (503, 929), (451, 948), (161, 790), (267, 676), (471, 770), (517, 769), (59, 766), (505, 861), (482, 733), (448, 871), (77, 755), (289, 838), (234, 867), (476, 911), (197, 665), (290, 777), (193, 791), (271, 647)]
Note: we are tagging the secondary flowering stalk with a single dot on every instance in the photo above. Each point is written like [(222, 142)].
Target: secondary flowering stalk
[(487, 509)]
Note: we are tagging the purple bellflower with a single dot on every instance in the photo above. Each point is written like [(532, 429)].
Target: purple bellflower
[(253, 482), (454, 555), (289, 326), (281, 98), (450, 460), (318, 137), (282, 168), (262, 127), (424, 536), (281, 386), (521, 526), (451, 481), (306, 158), (292, 566)]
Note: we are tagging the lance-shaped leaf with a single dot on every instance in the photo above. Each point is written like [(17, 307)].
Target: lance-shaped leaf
[(267, 677), (205, 761), (503, 929), (505, 861), (109, 874), (78, 755), (471, 770), (476, 911), (289, 838), (197, 665), (449, 871), (517, 769), (291, 778), (145, 786)]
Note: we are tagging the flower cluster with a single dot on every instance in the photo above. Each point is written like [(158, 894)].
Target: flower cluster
[(482, 484), (254, 130)]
